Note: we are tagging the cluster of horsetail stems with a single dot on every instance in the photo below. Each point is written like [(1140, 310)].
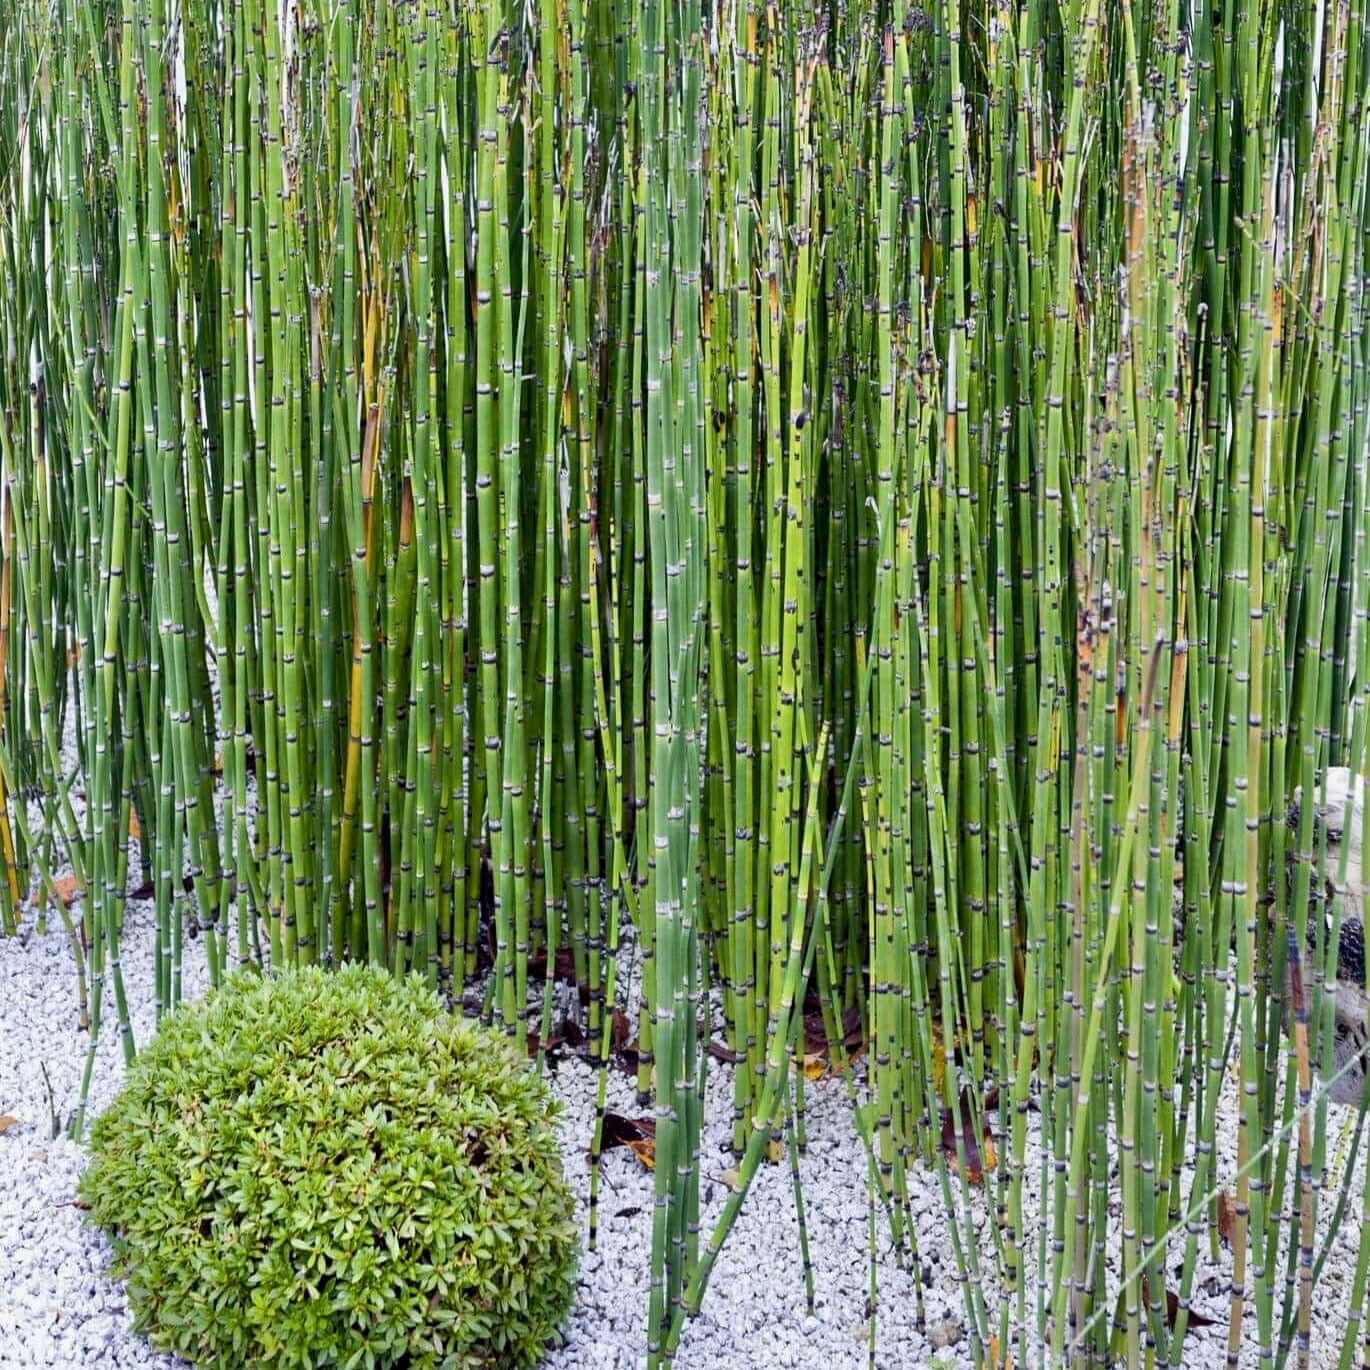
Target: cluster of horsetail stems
[(864, 501)]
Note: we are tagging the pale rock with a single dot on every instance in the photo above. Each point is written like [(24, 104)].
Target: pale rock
[(945, 1333)]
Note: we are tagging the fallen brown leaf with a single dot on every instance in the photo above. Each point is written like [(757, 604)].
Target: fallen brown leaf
[(216, 767), (1172, 1311), (980, 1153), (996, 1361), (722, 1053), (817, 1059), (816, 1034), (7, 1121), (637, 1134), (1172, 1307), (623, 1045), (567, 1033), (1227, 1218), (563, 968)]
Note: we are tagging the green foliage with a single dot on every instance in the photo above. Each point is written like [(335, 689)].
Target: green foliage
[(331, 1170)]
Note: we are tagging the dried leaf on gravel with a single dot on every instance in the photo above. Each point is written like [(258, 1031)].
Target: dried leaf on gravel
[(1172, 1307), (1227, 1217), (563, 967), (567, 1033), (1172, 1311), (817, 1060), (980, 1152), (994, 1360), (637, 1134), (623, 1045), (816, 1034)]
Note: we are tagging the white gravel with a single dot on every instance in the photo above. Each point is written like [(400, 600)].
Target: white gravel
[(58, 1308)]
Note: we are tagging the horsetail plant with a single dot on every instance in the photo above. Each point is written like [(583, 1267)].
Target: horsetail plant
[(862, 507)]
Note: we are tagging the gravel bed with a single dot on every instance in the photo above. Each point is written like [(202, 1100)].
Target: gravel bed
[(58, 1308)]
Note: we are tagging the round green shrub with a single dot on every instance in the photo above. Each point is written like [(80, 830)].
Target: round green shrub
[(331, 1170)]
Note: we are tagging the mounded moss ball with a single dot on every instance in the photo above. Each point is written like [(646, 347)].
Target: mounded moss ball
[(331, 1170)]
